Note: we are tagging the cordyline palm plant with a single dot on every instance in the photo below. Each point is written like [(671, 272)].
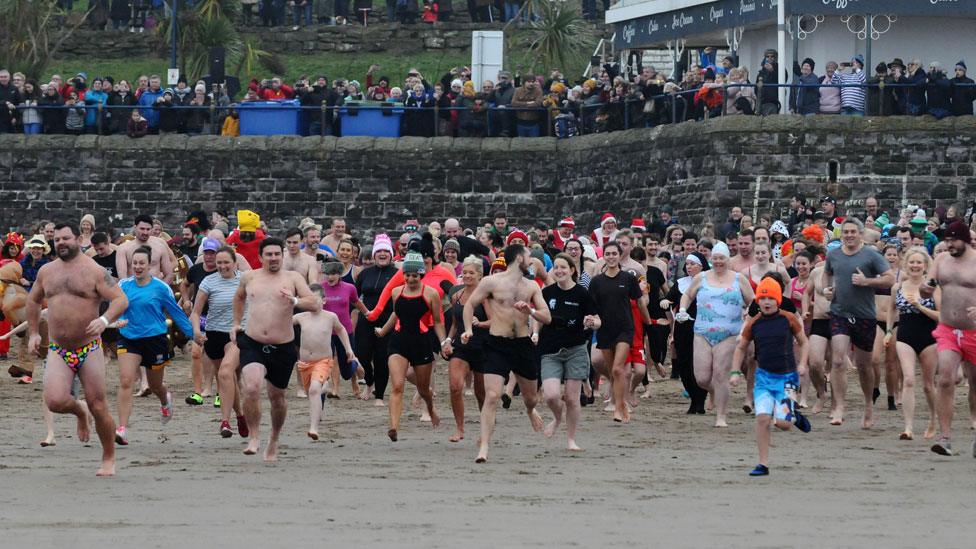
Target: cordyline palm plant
[(557, 36), (210, 23), (30, 36)]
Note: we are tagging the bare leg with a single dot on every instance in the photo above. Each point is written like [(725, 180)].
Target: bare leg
[(530, 397), (762, 438), (839, 347), (552, 392), (398, 378), (196, 367), (865, 374), (906, 357), (128, 374), (479, 389), (279, 411), (637, 372), (209, 375), (458, 371), (227, 381), (493, 393), (423, 373), (620, 371), (948, 363), (893, 374), (572, 413), (253, 376), (156, 385), (314, 408), (49, 424), (721, 368), (930, 363)]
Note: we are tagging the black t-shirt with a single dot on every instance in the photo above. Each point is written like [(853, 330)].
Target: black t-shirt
[(194, 277), (107, 263), (567, 307), (612, 296), (655, 282)]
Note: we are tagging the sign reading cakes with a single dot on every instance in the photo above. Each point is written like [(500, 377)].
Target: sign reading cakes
[(726, 14)]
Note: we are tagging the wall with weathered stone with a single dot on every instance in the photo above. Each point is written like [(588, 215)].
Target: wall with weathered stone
[(702, 169)]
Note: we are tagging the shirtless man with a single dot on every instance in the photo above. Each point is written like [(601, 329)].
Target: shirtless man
[(74, 287), (303, 264), (625, 237), (652, 247), (955, 336), (743, 260), (162, 264), (335, 236), (513, 299), (818, 317), (267, 346)]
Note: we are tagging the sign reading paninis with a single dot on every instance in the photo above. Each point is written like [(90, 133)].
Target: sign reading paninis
[(726, 14)]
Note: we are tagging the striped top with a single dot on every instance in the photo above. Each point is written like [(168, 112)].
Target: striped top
[(851, 97), (220, 298)]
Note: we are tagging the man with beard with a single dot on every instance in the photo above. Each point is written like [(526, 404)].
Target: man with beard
[(161, 266), (955, 275), (267, 346), (513, 299), (74, 286)]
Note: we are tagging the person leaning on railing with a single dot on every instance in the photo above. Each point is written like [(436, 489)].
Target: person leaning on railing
[(740, 99), (52, 117), (937, 92), (852, 90), (963, 91), (805, 99)]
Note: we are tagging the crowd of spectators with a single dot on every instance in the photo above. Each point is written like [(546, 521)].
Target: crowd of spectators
[(509, 105)]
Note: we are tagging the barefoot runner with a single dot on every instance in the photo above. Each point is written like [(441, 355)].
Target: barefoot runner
[(512, 298), (74, 286), (267, 346)]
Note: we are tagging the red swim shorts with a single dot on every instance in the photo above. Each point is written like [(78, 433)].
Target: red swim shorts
[(962, 342)]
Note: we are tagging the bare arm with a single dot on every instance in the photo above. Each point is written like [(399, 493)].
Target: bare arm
[(481, 291), (306, 299), (540, 312), (122, 261), (738, 357), (198, 304), (434, 301), (166, 263), (340, 330), (240, 299), (691, 293), (804, 344), (642, 308)]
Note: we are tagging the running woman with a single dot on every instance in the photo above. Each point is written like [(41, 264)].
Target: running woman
[(722, 295), (886, 323), (684, 332), (143, 342), (467, 358), (916, 318), (613, 290), (773, 332), (410, 343), (563, 346), (216, 294), (372, 351)]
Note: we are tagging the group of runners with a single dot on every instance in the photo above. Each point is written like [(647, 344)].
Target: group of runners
[(513, 313)]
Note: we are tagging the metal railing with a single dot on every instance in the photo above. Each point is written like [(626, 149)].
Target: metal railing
[(490, 121)]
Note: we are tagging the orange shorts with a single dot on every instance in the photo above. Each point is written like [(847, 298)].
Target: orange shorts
[(317, 370), (961, 342)]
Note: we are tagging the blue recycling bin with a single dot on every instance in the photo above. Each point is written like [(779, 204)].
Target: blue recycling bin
[(270, 117), (374, 120)]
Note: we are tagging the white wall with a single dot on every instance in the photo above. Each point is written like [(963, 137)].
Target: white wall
[(930, 39)]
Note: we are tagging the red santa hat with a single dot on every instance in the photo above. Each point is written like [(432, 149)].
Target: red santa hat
[(567, 222), (637, 224), (516, 234), (607, 217)]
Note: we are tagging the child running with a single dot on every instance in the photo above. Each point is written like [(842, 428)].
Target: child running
[(315, 355), (774, 396)]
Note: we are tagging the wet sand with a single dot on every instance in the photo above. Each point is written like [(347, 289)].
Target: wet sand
[(666, 479)]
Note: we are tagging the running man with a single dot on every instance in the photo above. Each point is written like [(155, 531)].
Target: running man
[(162, 264), (955, 336), (513, 298), (267, 347), (850, 275), (74, 286)]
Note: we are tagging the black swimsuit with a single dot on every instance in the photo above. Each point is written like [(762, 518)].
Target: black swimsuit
[(408, 341), (914, 328), (472, 352)]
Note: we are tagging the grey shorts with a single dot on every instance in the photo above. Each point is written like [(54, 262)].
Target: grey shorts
[(571, 363)]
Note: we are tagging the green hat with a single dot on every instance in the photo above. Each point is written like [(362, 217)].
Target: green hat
[(413, 263), (882, 220)]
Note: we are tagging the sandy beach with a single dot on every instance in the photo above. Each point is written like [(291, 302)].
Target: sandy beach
[(666, 479)]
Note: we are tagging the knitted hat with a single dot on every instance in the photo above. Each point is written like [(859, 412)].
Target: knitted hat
[(382, 243), (810, 62), (769, 288), (516, 234), (882, 220), (637, 224), (413, 263), (452, 244), (959, 231), (961, 65), (90, 219), (567, 222), (607, 217), (498, 265), (248, 221), (858, 59)]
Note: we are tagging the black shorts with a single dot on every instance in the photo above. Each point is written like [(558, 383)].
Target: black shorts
[(414, 348), (820, 327), (474, 355), (214, 346), (278, 359), (506, 354), (609, 340), (862, 331), (153, 350)]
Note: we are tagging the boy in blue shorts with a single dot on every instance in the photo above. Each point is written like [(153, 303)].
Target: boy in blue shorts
[(774, 395)]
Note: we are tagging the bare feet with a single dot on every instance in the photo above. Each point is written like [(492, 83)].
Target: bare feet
[(271, 452), (457, 436), (84, 430), (868, 421), (482, 454), (107, 469), (609, 407), (907, 435), (837, 421), (536, 419), (930, 431), (379, 403), (435, 420), (721, 423), (551, 428), (365, 395), (49, 441), (312, 435), (481, 459), (392, 433), (572, 447), (647, 392), (818, 407), (252, 447), (425, 417)]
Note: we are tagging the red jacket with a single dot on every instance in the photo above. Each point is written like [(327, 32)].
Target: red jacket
[(282, 93)]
